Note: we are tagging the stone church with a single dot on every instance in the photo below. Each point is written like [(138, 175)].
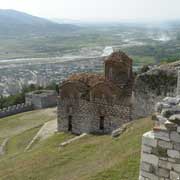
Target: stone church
[(93, 103)]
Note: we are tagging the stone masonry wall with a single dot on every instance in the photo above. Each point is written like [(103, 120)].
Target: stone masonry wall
[(86, 116), (150, 88), (160, 155), (42, 99), (11, 110)]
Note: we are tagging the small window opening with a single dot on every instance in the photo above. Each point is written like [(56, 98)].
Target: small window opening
[(70, 123), (101, 123)]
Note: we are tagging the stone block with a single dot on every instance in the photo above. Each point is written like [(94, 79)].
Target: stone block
[(149, 140), (175, 137), (176, 167), (174, 175), (172, 160), (150, 158), (173, 154), (165, 164), (146, 167), (162, 172), (175, 119), (161, 119), (170, 126), (178, 129), (149, 175), (171, 100), (146, 149), (163, 158), (141, 178), (177, 146), (162, 135), (165, 144)]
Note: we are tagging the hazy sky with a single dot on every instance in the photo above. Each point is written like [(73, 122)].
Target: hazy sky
[(97, 9)]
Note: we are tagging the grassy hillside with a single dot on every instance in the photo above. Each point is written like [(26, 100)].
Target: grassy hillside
[(19, 123), (91, 158)]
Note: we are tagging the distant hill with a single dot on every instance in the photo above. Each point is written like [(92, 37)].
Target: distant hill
[(14, 22)]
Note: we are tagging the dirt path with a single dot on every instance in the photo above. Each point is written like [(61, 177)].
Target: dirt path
[(47, 130), (2, 147)]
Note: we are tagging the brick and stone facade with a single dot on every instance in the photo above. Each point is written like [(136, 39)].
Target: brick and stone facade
[(92, 103)]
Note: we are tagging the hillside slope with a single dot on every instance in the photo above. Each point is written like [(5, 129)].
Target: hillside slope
[(15, 22), (91, 158)]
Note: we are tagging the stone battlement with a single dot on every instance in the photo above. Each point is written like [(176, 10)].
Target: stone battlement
[(11, 110)]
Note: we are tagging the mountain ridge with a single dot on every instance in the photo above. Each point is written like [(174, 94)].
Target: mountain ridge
[(15, 22)]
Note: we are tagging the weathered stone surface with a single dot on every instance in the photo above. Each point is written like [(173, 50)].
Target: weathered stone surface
[(118, 131), (148, 139), (162, 172), (146, 149), (173, 154), (167, 133), (167, 113), (175, 119), (177, 146), (176, 167), (150, 158), (178, 129), (161, 105), (175, 137), (161, 119), (165, 144), (170, 126), (146, 167), (162, 135), (171, 100), (174, 175), (149, 175), (141, 178), (172, 160), (165, 164)]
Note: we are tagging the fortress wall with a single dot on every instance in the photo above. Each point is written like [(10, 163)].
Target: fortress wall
[(42, 99), (160, 154), (160, 157), (11, 110), (150, 88)]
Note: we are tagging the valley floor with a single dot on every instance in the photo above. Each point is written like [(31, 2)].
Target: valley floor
[(90, 158)]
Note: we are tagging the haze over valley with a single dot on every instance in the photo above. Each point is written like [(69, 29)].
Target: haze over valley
[(38, 51)]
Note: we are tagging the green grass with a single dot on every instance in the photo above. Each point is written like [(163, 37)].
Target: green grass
[(18, 143), (19, 123), (143, 60), (91, 158)]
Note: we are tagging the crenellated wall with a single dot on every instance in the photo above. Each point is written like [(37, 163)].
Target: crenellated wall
[(11, 110)]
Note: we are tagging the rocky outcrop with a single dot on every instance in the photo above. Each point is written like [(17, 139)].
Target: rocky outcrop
[(152, 86)]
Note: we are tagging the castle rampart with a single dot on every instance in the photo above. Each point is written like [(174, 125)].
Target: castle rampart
[(160, 155), (11, 110)]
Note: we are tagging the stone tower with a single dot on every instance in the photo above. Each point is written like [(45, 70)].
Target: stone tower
[(118, 68)]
